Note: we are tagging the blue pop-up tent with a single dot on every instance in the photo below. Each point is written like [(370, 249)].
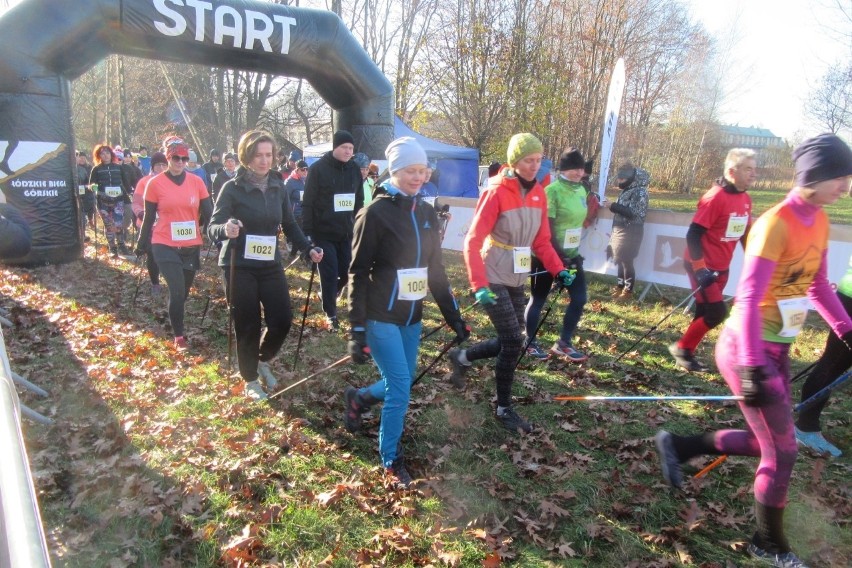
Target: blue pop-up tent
[(457, 166)]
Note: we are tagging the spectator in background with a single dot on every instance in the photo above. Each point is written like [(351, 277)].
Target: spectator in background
[(429, 191), (292, 158), (370, 183), (144, 160), (295, 186), (15, 233), (628, 226), (332, 196), (212, 165), (159, 164), (225, 173), (363, 162), (194, 167), (87, 196)]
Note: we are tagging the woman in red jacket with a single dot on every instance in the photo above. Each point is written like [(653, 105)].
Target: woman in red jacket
[(511, 216)]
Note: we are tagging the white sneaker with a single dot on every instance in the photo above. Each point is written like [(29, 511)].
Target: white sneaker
[(265, 375), (254, 390)]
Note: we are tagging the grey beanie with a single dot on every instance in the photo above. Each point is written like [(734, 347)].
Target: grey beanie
[(404, 152)]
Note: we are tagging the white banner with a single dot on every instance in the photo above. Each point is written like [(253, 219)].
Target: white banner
[(613, 105), (661, 254)]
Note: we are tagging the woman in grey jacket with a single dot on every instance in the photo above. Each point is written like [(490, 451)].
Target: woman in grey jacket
[(628, 226)]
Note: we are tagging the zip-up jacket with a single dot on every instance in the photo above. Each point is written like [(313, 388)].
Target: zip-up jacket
[(506, 218), (295, 187), (222, 178), (393, 233), (260, 212), (632, 204), (326, 177), (110, 175)]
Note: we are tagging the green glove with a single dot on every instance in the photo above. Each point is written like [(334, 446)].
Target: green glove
[(485, 296), (566, 277)]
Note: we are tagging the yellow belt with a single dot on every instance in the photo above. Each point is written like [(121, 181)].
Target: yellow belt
[(498, 244)]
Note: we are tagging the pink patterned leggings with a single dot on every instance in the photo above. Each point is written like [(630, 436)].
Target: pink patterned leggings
[(770, 434)]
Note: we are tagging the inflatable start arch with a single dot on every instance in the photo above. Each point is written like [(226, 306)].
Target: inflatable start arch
[(47, 43)]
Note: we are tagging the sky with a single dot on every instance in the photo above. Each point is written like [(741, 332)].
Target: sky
[(781, 48)]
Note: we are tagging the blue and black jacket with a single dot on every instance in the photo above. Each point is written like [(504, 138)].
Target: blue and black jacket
[(395, 232)]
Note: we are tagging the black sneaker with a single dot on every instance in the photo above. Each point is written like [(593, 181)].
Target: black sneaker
[(669, 462), (123, 249), (457, 378), (401, 479), (334, 324), (686, 360), (513, 422), (113, 250), (780, 560), (354, 410)]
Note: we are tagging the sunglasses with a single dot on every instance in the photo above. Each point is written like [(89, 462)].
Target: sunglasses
[(179, 158)]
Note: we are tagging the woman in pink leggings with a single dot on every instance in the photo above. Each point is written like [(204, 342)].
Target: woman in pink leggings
[(784, 268)]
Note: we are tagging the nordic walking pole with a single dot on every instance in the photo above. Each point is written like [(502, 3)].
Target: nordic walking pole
[(443, 352), (823, 392), (712, 465), (139, 261), (231, 272), (529, 340), (659, 323), (804, 372), (309, 377), (305, 313), (715, 398)]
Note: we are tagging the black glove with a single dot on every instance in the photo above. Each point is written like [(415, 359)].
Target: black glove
[(358, 349), (609, 252), (462, 330), (753, 389), (142, 248), (575, 263), (705, 277)]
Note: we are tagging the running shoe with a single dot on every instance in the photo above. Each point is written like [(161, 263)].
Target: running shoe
[(512, 421), (400, 477), (265, 375), (536, 351), (562, 349), (457, 378), (685, 359), (669, 462), (785, 560), (254, 391), (354, 410), (816, 442), (180, 344)]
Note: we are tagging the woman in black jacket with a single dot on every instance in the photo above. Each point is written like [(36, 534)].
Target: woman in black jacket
[(248, 211), (396, 257), (112, 196)]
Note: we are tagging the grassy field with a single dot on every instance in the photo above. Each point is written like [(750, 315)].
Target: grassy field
[(155, 458)]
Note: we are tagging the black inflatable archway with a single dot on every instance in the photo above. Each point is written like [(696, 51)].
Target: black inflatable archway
[(47, 43)]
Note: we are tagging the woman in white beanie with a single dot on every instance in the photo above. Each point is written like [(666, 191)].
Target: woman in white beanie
[(396, 257)]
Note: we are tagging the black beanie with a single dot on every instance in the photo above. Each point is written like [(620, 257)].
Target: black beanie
[(821, 158), (587, 167), (342, 137), (571, 160)]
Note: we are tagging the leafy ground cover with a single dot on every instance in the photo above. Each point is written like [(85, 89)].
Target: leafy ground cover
[(156, 459)]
